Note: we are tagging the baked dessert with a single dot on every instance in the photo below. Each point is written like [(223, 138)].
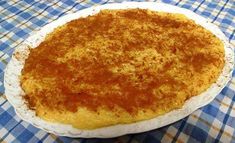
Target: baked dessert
[(120, 66)]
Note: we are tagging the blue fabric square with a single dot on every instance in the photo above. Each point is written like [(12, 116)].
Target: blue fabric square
[(211, 110), (199, 134), (69, 2), (21, 33), (231, 121), (28, 1), (206, 13), (233, 73), (5, 118), (25, 15), (42, 5), (3, 46), (2, 2), (8, 26), (25, 136), (227, 21), (167, 1), (33, 129), (212, 5), (96, 1), (225, 89), (186, 6), (13, 9), (231, 11), (54, 12), (228, 92), (40, 22)]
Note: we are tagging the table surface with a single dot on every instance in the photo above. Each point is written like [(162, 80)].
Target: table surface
[(212, 123)]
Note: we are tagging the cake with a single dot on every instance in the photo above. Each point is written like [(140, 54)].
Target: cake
[(120, 67)]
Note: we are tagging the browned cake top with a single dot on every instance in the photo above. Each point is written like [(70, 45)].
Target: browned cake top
[(129, 59)]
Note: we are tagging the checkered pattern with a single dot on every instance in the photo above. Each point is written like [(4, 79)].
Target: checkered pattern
[(212, 123)]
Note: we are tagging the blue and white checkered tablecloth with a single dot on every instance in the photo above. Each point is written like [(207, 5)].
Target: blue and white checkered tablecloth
[(212, 123)]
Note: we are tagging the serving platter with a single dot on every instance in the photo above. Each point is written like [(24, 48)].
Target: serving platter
[(14, 92)]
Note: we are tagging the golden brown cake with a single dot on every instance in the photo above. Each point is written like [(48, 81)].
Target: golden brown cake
[(120, 66)]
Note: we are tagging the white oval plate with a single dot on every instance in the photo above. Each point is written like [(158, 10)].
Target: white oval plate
[(14, 92)]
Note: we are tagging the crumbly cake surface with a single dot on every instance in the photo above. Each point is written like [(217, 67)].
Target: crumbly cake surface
[(120, 66)]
